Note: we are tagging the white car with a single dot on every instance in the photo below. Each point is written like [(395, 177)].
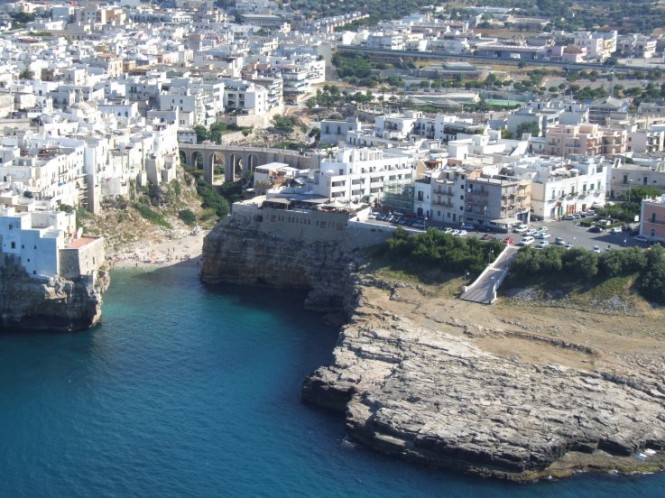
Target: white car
[(615, 230), (526, 241), (447, 230), (520, 229), (542, 244), (532, 232), (462, 233), (543, 235), (596, 249), (559, 241)]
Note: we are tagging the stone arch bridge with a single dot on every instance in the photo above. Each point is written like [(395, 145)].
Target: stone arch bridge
[(236, 161)]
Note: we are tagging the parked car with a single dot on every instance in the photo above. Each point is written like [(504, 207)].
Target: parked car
[(420, 225), (468, 226), (526, 241), (569, 217), (596, 229), (454, 233), (543, 235), (462, 233), (641, 238), (559, 241), (447, 230), (568, 246), (520, 229), (508, 240), (532, 232), (596, 249), (615, 230), (542, 244), (487, 236)]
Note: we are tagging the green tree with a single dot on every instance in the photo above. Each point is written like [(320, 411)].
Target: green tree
[(530, 127), (26, 73), (202, 133)]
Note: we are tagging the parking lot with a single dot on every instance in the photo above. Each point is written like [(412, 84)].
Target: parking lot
[(569, 230)]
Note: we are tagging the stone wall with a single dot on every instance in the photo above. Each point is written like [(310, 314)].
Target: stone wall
[(84, 260)]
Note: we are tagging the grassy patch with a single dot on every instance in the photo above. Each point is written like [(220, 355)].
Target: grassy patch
[(403, 269), (152, 216)]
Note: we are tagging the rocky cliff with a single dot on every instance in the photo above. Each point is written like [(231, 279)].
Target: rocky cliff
[(234, 254), (424, 385), (495, 391), (58, 305)]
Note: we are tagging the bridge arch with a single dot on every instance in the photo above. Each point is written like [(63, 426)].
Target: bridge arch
[(197, 160)]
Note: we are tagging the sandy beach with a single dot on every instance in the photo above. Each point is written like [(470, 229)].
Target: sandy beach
[(179, 247)]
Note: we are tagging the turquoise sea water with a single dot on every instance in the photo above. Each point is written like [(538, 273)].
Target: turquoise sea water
[(189, 392)]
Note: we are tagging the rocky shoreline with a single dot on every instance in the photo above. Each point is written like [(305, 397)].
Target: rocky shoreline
[(430, 392), (498, 392)]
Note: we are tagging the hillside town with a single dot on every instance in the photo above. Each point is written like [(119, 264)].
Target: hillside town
[(99, 100)]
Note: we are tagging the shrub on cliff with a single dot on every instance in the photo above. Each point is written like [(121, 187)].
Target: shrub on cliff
[(151, 215), (187, 216), (212, 199), (438, 249)]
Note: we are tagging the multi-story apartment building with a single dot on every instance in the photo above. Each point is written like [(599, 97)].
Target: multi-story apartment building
[(636, 46), (455, 195), (652, 218), (45, 171), (559, 188), (584, 139), (245, 97), (361, 174), (497, 201), (645, 141), (439, 195), (599, 45), (198, 102)]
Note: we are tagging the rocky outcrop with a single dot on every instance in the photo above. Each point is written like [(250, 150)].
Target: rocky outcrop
[(429, 387), (56, 305), (442, 399), (235, 254)]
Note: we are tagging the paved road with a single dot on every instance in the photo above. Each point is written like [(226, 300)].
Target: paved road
[(537, 63), (483, 289)]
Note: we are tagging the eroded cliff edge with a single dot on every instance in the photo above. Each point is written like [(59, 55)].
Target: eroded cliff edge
[(416, 379), (54, 305), (236, 253), (505, 391)]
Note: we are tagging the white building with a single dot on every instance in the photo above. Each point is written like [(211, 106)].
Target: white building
[(566, 187), (46, 244), (361, 174), (245, 97)]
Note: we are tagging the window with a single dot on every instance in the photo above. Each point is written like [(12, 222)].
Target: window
[(13, 245), (653, 217)]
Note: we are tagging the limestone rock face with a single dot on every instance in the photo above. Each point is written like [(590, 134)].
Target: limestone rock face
[(60, 305), (441, 399), (233, 254)]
